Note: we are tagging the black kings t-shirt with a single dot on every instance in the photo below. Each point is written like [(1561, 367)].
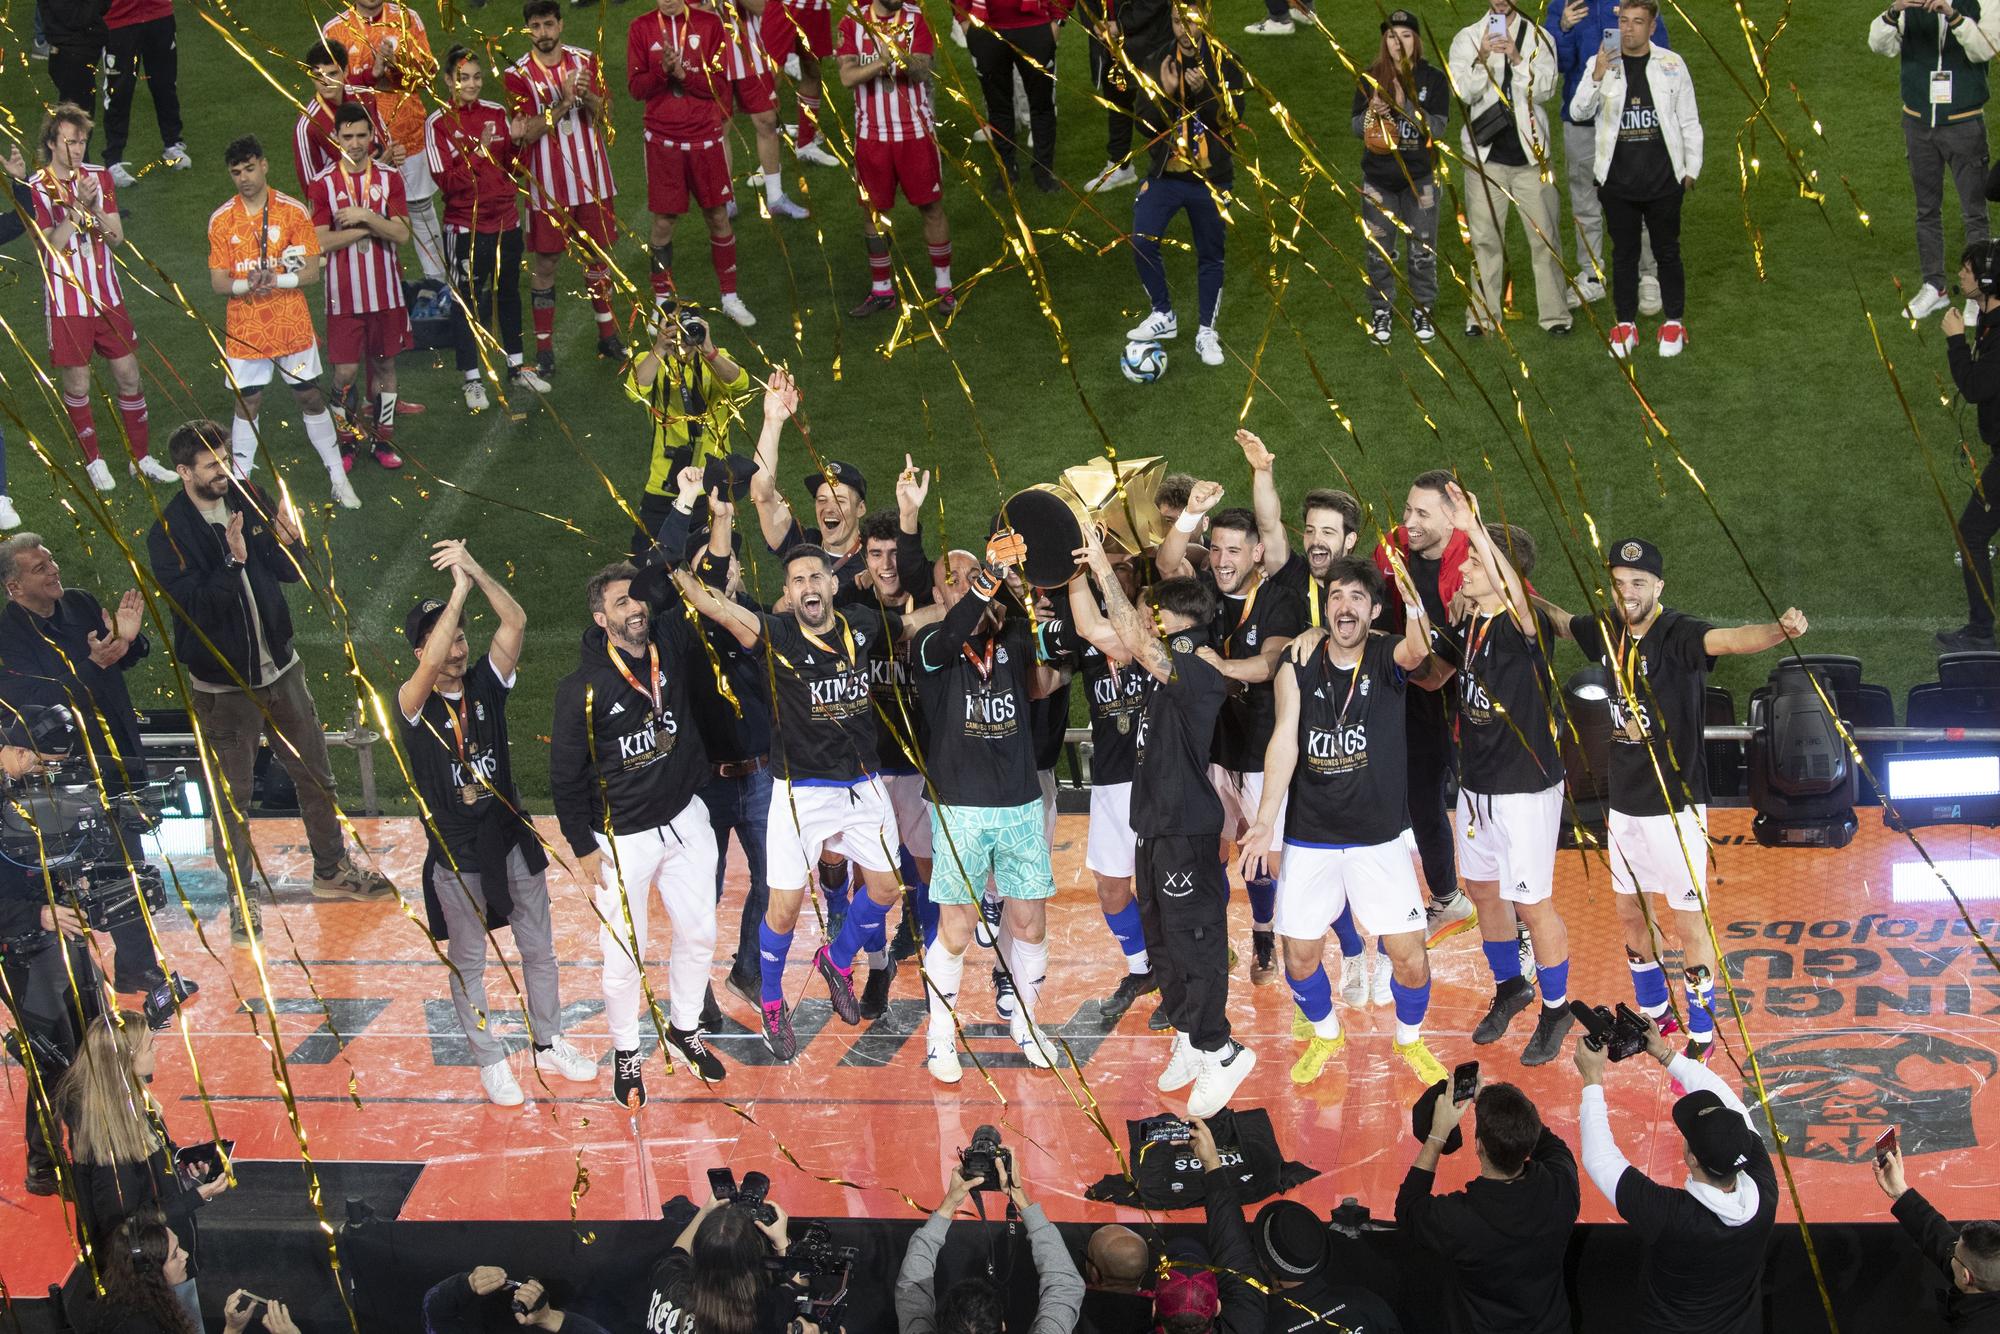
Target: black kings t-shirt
[(1349, 788), (975, 699), (1171, 794), (1243, 626), (1658, 705), (1506, 733), (458, 748), (1297, 576), (1640, 167), (1117, 701), (823, 724)]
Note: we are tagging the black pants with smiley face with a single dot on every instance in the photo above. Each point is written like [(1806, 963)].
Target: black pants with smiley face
[(1183, 895)]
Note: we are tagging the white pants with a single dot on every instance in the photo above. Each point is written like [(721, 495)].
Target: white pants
[(1112, 849), (679, 861), (1661, 854), (1511, 838), (1377, 881)]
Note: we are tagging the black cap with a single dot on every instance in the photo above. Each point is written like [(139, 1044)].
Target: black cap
[(1401, 18), (1716, 1133), (1636, 553), (837, 471), (420, 620), (1291, 1239), (729, 473), (1422, 1115)]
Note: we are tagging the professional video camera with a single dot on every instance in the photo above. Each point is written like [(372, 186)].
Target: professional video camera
[(1621, 1035), (819, 1272), (981, 1159)]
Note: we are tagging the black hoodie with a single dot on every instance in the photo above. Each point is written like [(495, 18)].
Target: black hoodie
[(1974, 357)]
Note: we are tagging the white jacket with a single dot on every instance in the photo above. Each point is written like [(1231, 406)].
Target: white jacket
[(1673, 99), (1476, 75)]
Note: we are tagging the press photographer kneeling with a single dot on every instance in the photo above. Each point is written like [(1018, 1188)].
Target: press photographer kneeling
[(736, 1269)]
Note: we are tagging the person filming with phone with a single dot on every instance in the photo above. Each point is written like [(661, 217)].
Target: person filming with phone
[(489, 1300), (1969, 1256)]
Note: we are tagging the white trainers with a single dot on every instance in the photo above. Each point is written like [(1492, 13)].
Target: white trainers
[(176, 156), (784, 206), (1927, 301), (1222, 1073), (732, 306), (121, 175), (153, 470), (9, 516), (1378, 984), (1208, 346), (1354, 980), (1182, 1067), (1114, 175), (941, 1060), (475, 396), (815, 153), (563, 1059), (958, 32), (1040, 1051), (1649, 296), (1584, 292), (524, 377), (792, 66), (1270, 27), (100, 477), (501, 1089), (343, 491), (1673, 338), (1159, 324)]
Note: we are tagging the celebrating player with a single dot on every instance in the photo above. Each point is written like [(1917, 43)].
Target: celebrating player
[(886, 50), (360, 216), (389, 52), (76, 212), (558, 92), (676, 62), (262, 248), (1336, 755), (753, 88), (839, 493)]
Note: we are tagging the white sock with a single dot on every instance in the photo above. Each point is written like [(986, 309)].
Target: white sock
[(1407, 1033), (1030, 962), (319, 430), (1138, 963), (774, 187), (878, 959), (1329, 1027), (941, 275), (472, 376), (243, 444), (946, 971)]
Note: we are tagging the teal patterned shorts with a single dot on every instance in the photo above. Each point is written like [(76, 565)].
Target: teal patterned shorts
[(1010, 842)]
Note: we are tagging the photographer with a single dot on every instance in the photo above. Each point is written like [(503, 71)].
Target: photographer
[(974, 1305), (1508, 1231), (1215, 1291), (486, 1299), (1969, 1256), (1704, 1241), (685, 384), (717, 1277)]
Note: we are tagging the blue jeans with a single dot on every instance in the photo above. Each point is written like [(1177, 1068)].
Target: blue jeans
[(1159, 199), (744, 806)]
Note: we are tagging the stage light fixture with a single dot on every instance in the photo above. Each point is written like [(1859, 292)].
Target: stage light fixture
[(1803, 781), (1586, 755), (1924, 882), (1951, 787)]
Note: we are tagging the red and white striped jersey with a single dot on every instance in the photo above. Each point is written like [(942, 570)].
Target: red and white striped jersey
[(570, 165), (368, 275), (471, 157), (804, 5), (315, 150), (747, 58), (895, 105), (81, 278)]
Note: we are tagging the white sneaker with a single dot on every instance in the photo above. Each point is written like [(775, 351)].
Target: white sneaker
[(1354, 980), (498, 1081), (475, 396), (1222, 1073), (1114, 175), (784, 206), (343, 491), (1649, 296), (565, 1060), (1927, 300), (815, 153), (100, 477), (1040, 1051), (9, 516), (1378, 984), (942, 1061), (1182, 1067), (1159, 324), (732, 306), (121, 175), (1527, 950), (958, 32), (524, 377), (1584, 292), (176, 156), (1208, 346), (153, 470), (1270, 27)]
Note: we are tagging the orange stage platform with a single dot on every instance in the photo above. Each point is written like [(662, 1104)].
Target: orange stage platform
[(1868, 999)]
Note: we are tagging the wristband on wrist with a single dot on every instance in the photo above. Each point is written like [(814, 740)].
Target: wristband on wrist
[(241, 287), (1188, 522), (288, 280), (1436, 1140)]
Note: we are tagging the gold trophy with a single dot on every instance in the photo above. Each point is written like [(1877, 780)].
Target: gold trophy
[(1114, 500)]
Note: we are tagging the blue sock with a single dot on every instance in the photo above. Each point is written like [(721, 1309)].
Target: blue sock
[(920, 894), (1701, 1006), (1381, 947), (1127, 929), (1649, 987), (1314, 994), (1555, 983), (1350, 939), (1504, 958), (833, 883), (772, 948), (1412, 1003), (864, 924), (1263, 901)]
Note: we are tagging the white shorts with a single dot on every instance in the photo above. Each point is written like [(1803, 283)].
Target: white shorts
[(1661, 854), (1510, 838), (1377, 881), (808, 819), (1111, 851), (1241, 794), (418, 184), (254, 373), (913, 811)]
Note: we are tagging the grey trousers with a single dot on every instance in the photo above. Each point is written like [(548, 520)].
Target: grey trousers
[(1382, 209), (1959, 148), (1580, 162), (463, 903), (233, 723)]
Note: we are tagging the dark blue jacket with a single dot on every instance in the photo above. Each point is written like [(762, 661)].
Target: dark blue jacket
[(1578, 47)]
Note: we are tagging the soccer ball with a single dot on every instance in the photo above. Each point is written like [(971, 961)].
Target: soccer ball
[(1143, 363)]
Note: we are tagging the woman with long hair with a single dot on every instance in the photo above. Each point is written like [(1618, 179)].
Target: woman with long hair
[(716, 1279), (141, 1266), (1400, 109), (119, 1149)]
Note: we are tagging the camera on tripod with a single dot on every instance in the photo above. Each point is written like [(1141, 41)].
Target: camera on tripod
[(748, 1196), (980, 1160), (1618, 1035)]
